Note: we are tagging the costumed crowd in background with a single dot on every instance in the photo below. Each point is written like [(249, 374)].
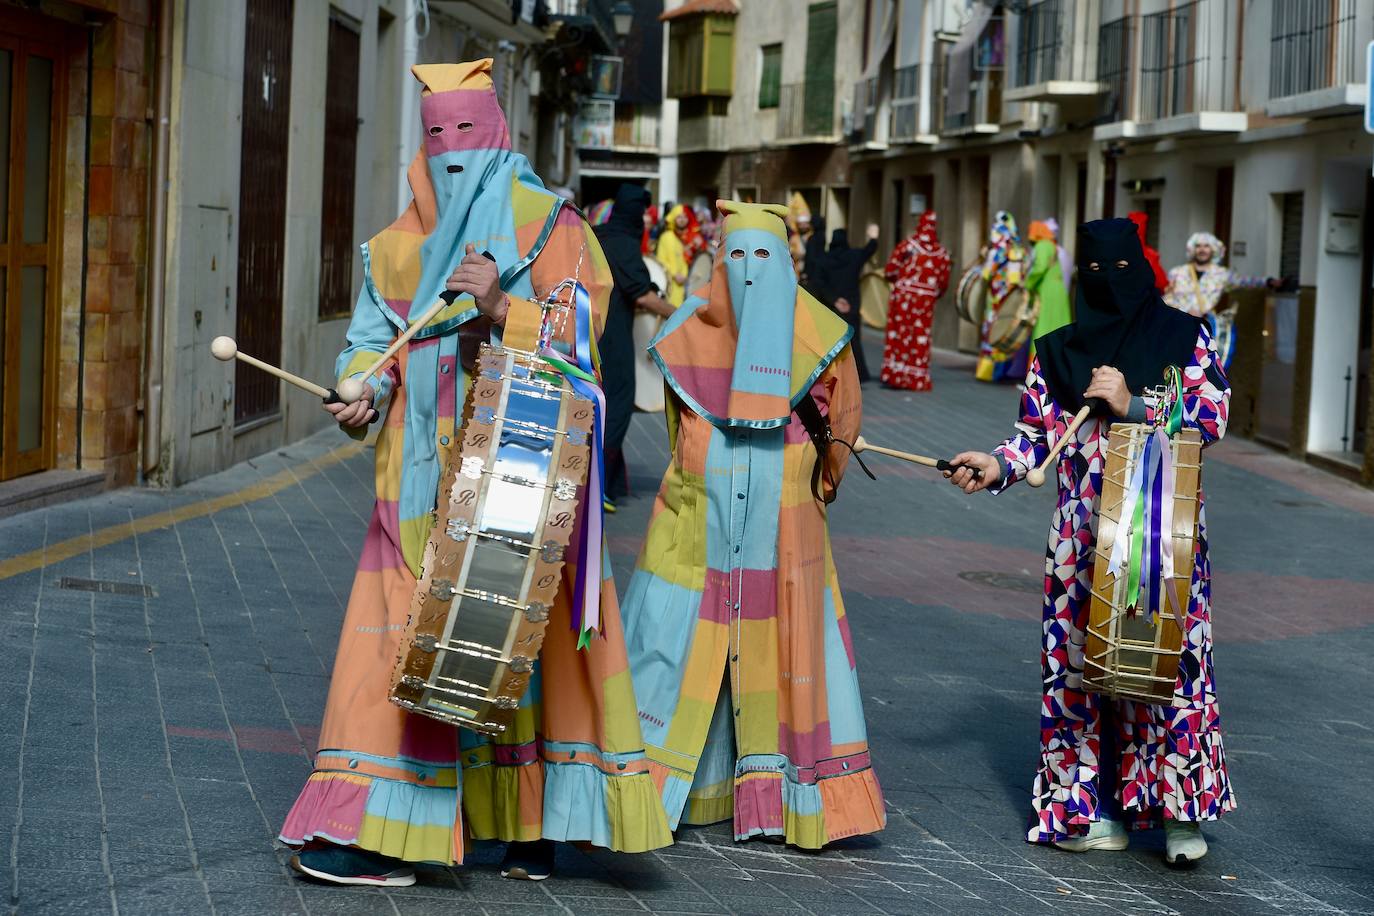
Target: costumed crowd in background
[(725, 688)]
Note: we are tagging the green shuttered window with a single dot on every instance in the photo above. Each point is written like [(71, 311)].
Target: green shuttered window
[(770, 75)]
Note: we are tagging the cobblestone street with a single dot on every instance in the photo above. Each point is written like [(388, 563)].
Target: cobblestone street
[(165, 658)]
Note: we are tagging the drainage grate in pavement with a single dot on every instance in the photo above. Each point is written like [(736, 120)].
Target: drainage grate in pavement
[(107, 587), (1012, 582)]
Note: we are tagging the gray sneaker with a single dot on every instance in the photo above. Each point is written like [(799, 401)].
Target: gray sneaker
[(1183, 843), (1104, 834)]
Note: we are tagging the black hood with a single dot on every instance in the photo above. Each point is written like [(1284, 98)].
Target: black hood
[(839, 240), (627, 213), (1119, 320)]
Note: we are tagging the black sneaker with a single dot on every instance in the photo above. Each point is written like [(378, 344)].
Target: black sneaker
[(528, 861), (350, 865)]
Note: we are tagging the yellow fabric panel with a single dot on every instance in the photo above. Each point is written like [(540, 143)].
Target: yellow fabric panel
[(411, 842), (768, 217), (400, 252), (674, 533), (691, 721), (473, 74), (523, 322), (390, 458), (496, 799), (621, 712), (638, 822), (710, 805)]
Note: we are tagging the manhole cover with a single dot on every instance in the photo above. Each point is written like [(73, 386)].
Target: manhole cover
[(1012, 582), (107, 587)]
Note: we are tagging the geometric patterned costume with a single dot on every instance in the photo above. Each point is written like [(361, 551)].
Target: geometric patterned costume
[(1170, 763), (919, 273)]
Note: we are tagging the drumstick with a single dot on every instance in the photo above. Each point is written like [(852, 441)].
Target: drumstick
[(351, 389), (1036, 476), (225, 348), (861, 444)]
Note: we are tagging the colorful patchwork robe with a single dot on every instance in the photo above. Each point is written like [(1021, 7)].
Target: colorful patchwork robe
[(1170, 760), (739, 644), (573, 766)]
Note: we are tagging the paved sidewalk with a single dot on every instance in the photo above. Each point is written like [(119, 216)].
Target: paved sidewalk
[(164, 658)]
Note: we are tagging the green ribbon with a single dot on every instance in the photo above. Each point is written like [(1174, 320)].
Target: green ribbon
[(1173, 418), (568, 368)]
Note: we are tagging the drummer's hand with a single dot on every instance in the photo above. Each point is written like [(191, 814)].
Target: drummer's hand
[(1110, 385), (680, 279), (359, 413), (654, 302), (842, 305), (477, 276), (962, 475)]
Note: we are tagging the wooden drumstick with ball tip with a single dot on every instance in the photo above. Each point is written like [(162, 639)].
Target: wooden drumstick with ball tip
[(863, 445), (1036, 476), (351, 389), (225, 348)]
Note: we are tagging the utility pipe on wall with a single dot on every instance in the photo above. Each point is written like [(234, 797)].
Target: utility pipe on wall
[(157, 248)]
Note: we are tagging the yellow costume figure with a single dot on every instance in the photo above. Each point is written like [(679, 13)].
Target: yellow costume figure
[(672, 254)]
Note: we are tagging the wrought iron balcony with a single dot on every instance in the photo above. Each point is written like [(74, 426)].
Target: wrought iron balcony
[(1054, 59), (1315, 59)]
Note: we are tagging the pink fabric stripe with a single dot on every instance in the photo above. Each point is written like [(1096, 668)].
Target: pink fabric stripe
[(381, 545), (840, 766), (711, 386), (758, 805), (331, 807), (449, 109), (804, 749), (447, 384), (515, 755), (758, 595)]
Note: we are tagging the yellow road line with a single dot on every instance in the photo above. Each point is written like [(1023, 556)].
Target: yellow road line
[(74, 547)]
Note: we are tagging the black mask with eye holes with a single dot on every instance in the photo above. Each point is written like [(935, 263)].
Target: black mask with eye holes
[(1119, 320)]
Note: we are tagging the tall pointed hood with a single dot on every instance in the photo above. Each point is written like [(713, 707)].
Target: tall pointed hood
[(743, 350), (468, 186)]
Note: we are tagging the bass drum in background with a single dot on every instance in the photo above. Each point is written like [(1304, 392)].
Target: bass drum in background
[(1011, 328), (648, 380), (699, 274), (971, 295), (1222, 324), (873, 295)]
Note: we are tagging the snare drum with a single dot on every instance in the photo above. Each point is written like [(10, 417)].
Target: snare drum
[(493, 566), (874, 294), (699, 276), (1127, 654)]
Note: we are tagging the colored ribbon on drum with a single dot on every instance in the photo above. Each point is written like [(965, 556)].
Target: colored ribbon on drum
[(1146, 552), (586, 596)]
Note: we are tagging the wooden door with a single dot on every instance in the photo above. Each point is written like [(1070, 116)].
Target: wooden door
[(32, 80), (262, 203)]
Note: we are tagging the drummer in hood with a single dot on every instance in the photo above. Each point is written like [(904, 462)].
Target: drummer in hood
[(391, 787), (1110, 766)]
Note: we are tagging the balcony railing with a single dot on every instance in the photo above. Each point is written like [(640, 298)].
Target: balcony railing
[(905, 125), (1313, 46), (984, 101), (865, 128), (807, 110), (1114, 69), (1041, 52), (1183, 61)]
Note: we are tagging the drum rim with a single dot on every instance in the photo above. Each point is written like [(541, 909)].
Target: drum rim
[(1022, 327)]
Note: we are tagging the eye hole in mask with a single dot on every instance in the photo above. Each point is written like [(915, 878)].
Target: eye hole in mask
[(1094, 266), (736, 254), (436, 130), (1122, 265), (465, 126), (762, 254)]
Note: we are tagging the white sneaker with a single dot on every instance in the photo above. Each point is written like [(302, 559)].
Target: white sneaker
[(1103, 834), (1183, 842)]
